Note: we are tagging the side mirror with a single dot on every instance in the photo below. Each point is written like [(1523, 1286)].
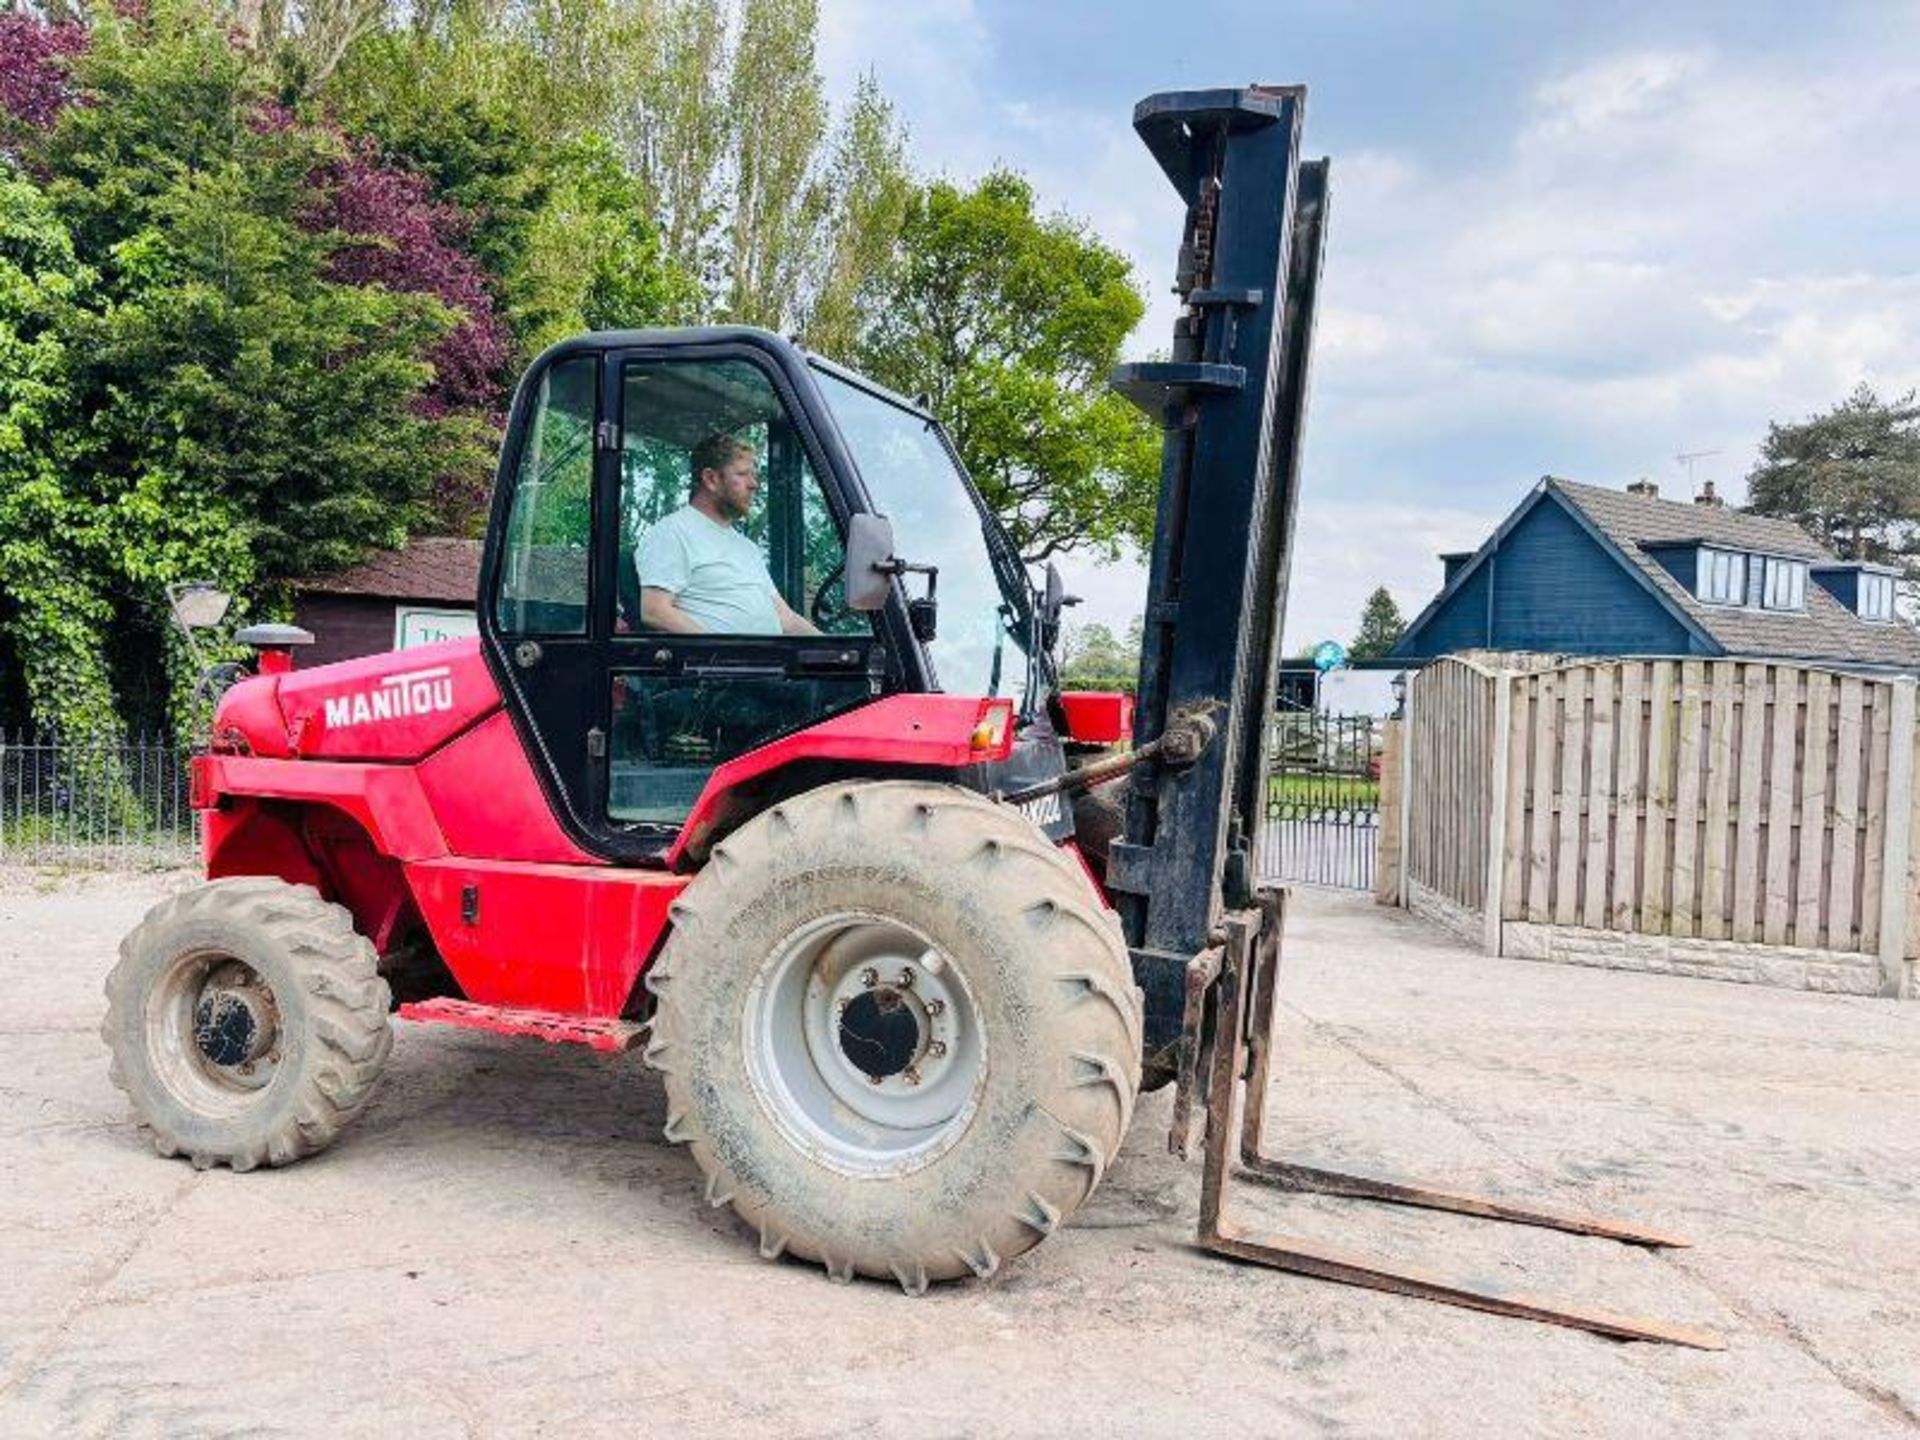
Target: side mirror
[(870, 567), (1053, 600)]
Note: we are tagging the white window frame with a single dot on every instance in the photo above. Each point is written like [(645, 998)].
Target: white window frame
[(1881, 590), (1786, 584), (1720, 576)]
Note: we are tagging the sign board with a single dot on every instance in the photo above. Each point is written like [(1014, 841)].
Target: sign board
[(421, 625)]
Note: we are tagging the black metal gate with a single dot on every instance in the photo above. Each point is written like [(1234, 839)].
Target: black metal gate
[(1322, 823)]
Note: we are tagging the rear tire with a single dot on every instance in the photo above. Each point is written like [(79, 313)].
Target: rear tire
[(798, 958), (247, 1022)]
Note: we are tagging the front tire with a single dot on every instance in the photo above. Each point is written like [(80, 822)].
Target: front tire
[(898, 1029), (247, 1022)]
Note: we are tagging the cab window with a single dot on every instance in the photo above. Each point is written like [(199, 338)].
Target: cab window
[(542, 589), (724, 528)]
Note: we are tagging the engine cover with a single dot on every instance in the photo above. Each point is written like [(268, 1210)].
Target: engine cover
[(395, 707)]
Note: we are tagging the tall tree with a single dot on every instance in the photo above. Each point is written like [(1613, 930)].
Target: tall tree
[(778, 110), (870, 188), (1381, 626), (1008, 322), (1850, 475), (677, 127)]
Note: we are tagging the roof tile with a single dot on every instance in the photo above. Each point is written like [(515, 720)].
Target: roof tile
[(1826, 630), (442, 569)]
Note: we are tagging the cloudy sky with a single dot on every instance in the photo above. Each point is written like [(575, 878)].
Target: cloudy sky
[(1568, 240)]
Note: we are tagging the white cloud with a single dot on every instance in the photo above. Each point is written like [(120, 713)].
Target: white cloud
[(1674, 246)]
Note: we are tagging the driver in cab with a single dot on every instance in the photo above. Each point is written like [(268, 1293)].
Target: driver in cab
[(699, 574)]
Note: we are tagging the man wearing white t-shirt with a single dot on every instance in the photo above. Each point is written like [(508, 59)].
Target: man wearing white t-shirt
[(699, 575)]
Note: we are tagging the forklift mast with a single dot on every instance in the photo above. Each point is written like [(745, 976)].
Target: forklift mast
[(1231, 400)]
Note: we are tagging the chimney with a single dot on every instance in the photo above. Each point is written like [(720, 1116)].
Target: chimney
[(1709, 497), (1644, 488)]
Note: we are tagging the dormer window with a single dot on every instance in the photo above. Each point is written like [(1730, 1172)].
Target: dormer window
[(1723, 577), (1876, 597), (1785, 586), (1734, 577)]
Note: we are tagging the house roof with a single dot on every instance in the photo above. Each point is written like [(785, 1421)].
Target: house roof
[(1628, 527), (440, 569), (1826, 630)]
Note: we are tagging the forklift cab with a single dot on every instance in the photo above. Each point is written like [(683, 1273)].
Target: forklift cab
[(626, 722)]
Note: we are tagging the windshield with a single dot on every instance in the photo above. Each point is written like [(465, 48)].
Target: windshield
[(915, 482)]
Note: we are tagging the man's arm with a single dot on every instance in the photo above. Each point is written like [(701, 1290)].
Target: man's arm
[(791, 623), (659, 611)]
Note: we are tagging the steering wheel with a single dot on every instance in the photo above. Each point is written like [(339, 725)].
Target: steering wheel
[(815, 610)]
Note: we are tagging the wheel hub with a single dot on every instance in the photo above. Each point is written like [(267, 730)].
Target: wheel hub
[(215, 1030), (863, 1044), (233, 1026)]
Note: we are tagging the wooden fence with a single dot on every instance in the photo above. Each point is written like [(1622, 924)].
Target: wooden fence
[(1752, 802), (1447, 776)]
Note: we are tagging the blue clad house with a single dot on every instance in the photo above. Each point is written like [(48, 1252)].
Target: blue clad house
[(1584, 571)]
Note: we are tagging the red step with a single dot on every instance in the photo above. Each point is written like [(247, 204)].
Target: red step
[(549, 1025)]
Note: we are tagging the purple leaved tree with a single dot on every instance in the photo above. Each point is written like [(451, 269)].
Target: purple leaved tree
[(399, 236), (34, 59)]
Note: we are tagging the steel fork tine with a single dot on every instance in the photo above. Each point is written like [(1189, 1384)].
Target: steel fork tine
[(1243, 1017)]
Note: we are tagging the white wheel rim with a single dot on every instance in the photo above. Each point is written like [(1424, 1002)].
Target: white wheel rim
[(198, 990), (864, 1045)]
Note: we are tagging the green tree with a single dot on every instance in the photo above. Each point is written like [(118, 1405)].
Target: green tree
[(870, 187), (1381, 626), (1849, 475), (1094, 658), (1008, 322), (240, 416), (51, 614), (562, 225)]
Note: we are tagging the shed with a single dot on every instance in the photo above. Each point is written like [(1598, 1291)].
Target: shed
[(393, 600)]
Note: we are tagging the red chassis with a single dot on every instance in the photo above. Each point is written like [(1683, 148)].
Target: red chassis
[(397, 786)]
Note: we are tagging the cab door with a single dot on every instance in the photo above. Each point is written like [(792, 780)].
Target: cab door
[(627, 718), (540, 587), (683, 702)]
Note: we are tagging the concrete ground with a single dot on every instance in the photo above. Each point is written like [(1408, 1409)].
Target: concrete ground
[(504, 1245)]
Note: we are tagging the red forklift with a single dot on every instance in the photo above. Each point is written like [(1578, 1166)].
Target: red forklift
[(904, 927)]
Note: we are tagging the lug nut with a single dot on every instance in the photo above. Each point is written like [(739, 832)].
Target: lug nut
[(934, 1007), (870, 977), (937, 1049), (906, 979), (873, 1079), (910, 1075)]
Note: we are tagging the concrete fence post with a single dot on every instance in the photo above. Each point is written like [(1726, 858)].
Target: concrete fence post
[(1894, 880), (1392, 810), (1495, 933)]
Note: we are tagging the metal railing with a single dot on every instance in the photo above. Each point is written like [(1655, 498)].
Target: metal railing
[(125, 802), (106, 802), (1322, 822)]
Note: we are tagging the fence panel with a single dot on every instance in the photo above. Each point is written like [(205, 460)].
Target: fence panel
[(90, 802), (1739, 800), (1450, 709)]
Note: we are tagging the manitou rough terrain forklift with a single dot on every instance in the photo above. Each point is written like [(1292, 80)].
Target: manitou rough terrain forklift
[(901, 930)]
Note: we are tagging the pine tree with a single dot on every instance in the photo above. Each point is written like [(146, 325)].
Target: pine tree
[(1850, 475), (1381, 626)]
